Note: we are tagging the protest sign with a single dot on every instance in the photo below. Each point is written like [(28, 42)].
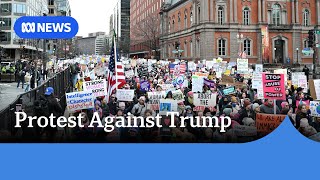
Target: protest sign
[(150, 62), (315, 108), (229, 90), (144, 86), (259, 68), (129, 73), (257, 81), (205, 99), (178, 96), (242, 66), (295, 77), (197, 84), (168, 106), (125, 95), (273, 86), (154, 99), (80, 100), (245, 131), (192, 66), (97, 87), (210, 84), (209, 64), (266, 123), (200, 74), (260, 93), (227, 79), (303, 83), (180, 80), (315, 89), (218, 75)]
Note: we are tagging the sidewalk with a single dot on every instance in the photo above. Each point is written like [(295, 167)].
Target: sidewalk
[(8, 93)]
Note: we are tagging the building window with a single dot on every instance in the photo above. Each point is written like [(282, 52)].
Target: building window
[(191, 18), (179, 22), (246, 16), (185, 49), (173, 26), (247, 46), (276, 15), (169, 28), (191, 49), (19, 8), (51, 2), (7, 37), (51, 11), (220, 15), (199, 15), (221, 47), (306, 16), (6, 22)]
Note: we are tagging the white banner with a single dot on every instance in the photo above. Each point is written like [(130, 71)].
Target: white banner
[(168, 106), (98, 87), (125, 95), (257, 81), (242, 66)]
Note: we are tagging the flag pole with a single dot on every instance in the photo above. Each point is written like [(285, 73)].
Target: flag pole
[(115, 57)]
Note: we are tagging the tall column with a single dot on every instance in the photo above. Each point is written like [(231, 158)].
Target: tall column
[(231, 12), (293, 13), (204, 11), (264, 11), (236, 11), (259, 11), (297, 11)]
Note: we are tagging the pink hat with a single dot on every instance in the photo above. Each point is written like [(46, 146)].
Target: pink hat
[(283, 104)]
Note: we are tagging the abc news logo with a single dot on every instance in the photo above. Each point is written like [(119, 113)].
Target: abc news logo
[(55, 27), (45, 27)]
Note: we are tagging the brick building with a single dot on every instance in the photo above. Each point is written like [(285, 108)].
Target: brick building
[(145, 27), (268, 31)]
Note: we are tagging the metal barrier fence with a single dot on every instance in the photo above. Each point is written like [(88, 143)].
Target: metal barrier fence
[(61, 83)]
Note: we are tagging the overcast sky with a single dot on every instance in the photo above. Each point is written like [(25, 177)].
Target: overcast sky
[(92, 15)]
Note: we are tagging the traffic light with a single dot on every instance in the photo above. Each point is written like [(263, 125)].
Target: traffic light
[(311, 38)]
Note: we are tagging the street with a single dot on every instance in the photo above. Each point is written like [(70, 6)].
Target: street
[(8, 93)]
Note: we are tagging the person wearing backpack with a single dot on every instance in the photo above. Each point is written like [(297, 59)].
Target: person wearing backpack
[(20, 78), (50, 106), (75, 69)]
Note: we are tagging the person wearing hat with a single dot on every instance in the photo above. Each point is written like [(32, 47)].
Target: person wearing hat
[(246, 111), (139, 108), (54, 108), (305, 128)]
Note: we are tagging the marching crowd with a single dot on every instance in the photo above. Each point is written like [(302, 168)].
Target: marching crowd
[(242, 107)]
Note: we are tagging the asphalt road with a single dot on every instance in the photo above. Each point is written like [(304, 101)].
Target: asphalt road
[(8, 93)]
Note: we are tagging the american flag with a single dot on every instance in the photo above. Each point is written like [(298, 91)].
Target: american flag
[(115, 74), (182, 67)]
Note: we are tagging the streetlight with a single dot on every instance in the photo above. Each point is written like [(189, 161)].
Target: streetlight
[(275, 58), (297, 55), (239, 39)]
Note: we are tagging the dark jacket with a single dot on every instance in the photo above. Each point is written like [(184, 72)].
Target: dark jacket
[(54, 106)]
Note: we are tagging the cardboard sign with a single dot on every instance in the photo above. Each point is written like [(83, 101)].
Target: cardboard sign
[(178, 96), (295, 77), (315, 108), (274, 86), (259, 68), (266, 123), (80, 100), (242, 66), (97, 87), (205, 99), (129, 74), (245, 131), (210, 84), (125, 95), (197, 84), (315, 88), (200, 74), (154, 99), (144, 86), (257, 81), (168, 106)]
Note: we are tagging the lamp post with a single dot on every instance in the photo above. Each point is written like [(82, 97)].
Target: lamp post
[(1, 23), (297, 55), (239, 40)]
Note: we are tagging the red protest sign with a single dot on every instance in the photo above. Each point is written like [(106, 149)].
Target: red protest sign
[(273, 86)]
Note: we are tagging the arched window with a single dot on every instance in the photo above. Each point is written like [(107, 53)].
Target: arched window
[(247, 46), (246, 16), (185, 20), (306, 16), (172, 25), (220, 15), (199, 15), (221, 47), (169, 28), (191, 18), (179, 21), (276, 14)]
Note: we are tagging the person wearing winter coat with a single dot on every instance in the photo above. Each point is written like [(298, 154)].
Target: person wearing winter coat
[(268, 107)]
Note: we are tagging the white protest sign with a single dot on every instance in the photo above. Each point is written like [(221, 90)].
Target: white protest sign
[(242, 66), (283, 71), (178, 96), (257, 81), (260, 93), (209, 64), (315, 108), (245, 131), (168, 106), (150, 62), (166, 86), (205, 99), (125, 95), (316, 88), (197, 84), (303, 83), (79, 100), (154, 99), (129, 74), (295, 78), (98, 87), (259, 68), (192, 66)]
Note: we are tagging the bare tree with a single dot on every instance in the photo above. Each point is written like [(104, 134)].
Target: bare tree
[(146, 32)]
